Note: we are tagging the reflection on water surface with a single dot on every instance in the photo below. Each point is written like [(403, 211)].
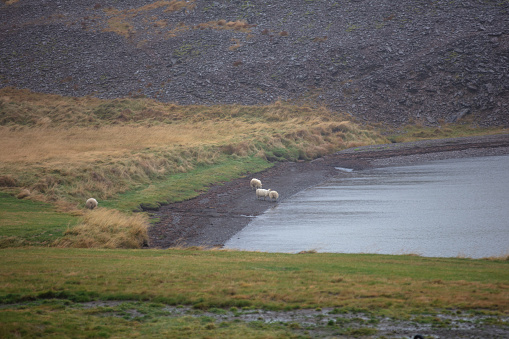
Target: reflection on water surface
[(446, 208)]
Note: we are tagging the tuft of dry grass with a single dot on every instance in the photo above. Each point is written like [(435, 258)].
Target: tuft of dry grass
[(238, 25), (104, 228), (9, 2), (122, 21), (120, 25), (236, 45), (7, 181), (24, 193)]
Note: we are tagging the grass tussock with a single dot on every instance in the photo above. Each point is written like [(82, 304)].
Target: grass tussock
[(69, 149), (9, 2), (122, 22), (238, 25), (104, 228)]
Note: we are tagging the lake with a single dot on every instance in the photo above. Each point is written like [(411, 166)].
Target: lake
[(446, 208)]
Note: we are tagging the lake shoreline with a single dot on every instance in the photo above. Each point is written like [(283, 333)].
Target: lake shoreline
[(215, 216)]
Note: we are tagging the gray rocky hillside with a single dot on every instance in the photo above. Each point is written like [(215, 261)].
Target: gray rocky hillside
[(389, 61)]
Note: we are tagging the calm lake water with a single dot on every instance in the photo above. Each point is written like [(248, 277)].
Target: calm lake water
[(440, 209)]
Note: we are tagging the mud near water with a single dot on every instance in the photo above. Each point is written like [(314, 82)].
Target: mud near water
[(215, 216), (330, 322), (443, 208)]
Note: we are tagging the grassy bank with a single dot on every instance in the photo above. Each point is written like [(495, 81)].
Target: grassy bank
[(376, 285), (277, 281), (28, 222), (134, 154), (137, 154), (67, 149)]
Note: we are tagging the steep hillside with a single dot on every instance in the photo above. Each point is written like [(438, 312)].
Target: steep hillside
[(382, 61)]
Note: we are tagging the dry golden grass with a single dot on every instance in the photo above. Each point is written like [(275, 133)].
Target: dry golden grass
[(54, 145), (238, 25), (120, 25), (9, 2), (236, 45), (122, 21), (104, 228), (65, 150), (80, 144)]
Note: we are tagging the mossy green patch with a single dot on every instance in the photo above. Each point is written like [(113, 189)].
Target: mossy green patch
[(27, 222), (184, 186)]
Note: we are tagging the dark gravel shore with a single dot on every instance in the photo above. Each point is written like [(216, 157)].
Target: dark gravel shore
[(215, 216)]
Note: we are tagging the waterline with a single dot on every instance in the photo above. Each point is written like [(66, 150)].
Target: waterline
[(440, 209)]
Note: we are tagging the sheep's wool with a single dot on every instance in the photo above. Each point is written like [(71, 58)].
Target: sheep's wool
[(91, 203)]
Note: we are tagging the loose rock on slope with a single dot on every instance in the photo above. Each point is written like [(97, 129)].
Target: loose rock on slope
[(382, 61)]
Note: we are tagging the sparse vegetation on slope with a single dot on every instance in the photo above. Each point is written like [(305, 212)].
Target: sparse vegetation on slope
[(419, 132), (392, 63)]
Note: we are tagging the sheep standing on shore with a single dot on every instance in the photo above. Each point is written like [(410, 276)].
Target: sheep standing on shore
[(273, 195), (91, 203), (256, 183), (262, 193)]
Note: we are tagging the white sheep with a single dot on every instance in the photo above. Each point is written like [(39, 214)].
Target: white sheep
[(256, 183), (262, 193), (91, 203), (273, 195)]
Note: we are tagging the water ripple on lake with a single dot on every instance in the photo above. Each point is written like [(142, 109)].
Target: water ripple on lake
[(446, 208)]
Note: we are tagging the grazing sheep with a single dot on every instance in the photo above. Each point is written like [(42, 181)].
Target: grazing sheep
[(256, 183), (273, 195), (262, 193), (91, 203)]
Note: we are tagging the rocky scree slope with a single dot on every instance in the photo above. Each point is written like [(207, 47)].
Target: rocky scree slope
[(381, 61)]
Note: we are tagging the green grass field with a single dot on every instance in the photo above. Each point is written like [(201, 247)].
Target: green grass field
[(44, 288), (27, 222), (184, 186)]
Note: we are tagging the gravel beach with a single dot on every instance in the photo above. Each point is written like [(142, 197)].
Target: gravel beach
[(215, 216)]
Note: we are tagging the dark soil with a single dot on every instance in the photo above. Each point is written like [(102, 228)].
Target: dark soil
[(214, 217)]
